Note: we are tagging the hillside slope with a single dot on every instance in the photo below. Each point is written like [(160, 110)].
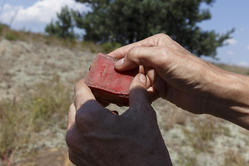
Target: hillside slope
[(191, 140)]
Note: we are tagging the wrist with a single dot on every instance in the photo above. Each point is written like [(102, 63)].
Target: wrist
[(227, 86), (229, 97)]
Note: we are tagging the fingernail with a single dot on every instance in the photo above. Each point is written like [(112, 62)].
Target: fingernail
[(120, 62), (142, 78)]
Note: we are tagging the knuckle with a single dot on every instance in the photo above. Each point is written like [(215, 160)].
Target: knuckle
[(134, 54), (130, 56), (162, 35), (164, 38)]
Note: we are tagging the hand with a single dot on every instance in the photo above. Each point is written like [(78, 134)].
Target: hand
[(97, 137), (186, 80), (179, 77)]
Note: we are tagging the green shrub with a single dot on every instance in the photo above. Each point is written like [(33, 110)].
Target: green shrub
[(11, 36), (108, 47)]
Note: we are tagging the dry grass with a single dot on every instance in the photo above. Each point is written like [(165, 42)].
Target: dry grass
[(23, 119), (234, 68), (187, 161), (203, 132), (46, 106), (23, 35), (176, 117), (234, 159)]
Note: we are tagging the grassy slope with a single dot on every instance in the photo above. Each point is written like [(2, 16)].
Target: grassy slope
[(37, 74)]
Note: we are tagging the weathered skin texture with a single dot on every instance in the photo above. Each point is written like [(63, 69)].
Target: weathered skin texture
[(98, 137), (188, 81)]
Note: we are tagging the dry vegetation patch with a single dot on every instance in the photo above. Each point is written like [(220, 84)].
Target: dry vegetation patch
[(44, 108), (37, 75)]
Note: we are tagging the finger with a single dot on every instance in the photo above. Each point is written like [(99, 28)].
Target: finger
[(71, 116), (150, 75), (156, 40), (138, 96), (159, 86), (82, 94), (146, 56), (121, 52), (141, 69)]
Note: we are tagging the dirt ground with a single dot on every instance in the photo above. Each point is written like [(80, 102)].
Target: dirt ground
[(191, 140)]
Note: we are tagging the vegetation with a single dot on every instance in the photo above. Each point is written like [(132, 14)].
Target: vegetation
[(19, 120), (108, 47), (1, 28), (35, 117), (234, 159), (203, 133), (64, 26), (127, 21), (11, 36), (186, 160), (8, 34)]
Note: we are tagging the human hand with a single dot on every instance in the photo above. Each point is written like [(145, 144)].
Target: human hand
[(180, 77), (97, 137), (186, 80)]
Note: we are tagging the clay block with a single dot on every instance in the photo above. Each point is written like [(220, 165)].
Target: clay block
[(106, 83)]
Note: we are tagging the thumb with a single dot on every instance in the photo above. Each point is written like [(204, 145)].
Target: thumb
[(138, 95)]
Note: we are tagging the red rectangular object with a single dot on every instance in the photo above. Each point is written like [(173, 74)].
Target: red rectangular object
[(106, 83)]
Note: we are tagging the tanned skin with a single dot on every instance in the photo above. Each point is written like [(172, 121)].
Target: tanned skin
[(97, 137)]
